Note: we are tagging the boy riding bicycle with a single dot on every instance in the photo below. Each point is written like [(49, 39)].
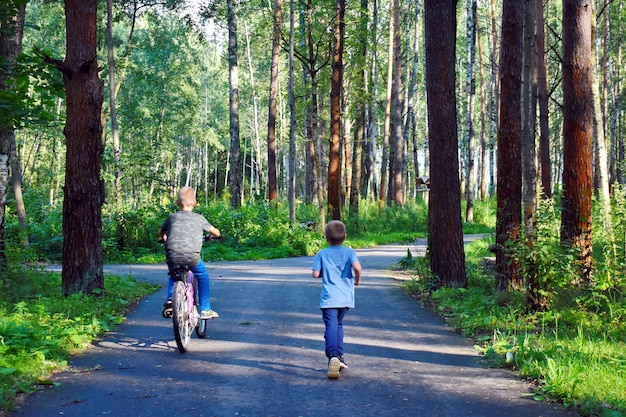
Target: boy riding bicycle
[(182, 234)]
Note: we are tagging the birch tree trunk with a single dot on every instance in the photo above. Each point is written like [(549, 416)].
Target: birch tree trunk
[(470, 87), (256, 164), (10, 46)]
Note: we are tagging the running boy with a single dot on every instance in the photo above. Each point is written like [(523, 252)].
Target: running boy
[(340, 270), (182, 233)]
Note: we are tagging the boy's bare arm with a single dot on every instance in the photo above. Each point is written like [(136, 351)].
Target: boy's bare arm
[(316, 274), (356, 267), (214, 231)]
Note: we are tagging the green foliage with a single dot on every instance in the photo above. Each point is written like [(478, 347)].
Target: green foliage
[(40, 328), (575, 350)]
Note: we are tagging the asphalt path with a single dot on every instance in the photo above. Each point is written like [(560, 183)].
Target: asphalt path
[(264, 356)]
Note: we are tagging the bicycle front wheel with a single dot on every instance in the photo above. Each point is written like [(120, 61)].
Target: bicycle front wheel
[(180, 316)]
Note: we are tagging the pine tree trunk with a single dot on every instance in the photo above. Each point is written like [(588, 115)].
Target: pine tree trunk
[(509, 191), (334, 163), (273, 95), (236, 173), (84, 189), (445, 233), (542, 96), (397, 161), (577, 133)]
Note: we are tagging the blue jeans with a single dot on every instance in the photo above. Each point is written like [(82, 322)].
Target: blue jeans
[(204, 291), (333, 320)]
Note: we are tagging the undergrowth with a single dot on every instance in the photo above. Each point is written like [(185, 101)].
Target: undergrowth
[(575, 351), (40, 328)]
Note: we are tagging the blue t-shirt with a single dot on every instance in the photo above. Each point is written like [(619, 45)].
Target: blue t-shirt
[(335, 264)]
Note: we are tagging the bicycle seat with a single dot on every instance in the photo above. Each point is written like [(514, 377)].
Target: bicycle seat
[(179, 271)]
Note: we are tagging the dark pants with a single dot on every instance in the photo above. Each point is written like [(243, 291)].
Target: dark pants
[(333, 320)]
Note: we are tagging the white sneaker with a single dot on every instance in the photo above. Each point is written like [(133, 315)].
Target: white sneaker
[(207, 315), (333, 367)]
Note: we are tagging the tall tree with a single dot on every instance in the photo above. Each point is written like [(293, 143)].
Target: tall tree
[(542, 98), (359, 108), (292, 119), (529, 153), (397, 149), (334, 161), (271, 120), (577, 133), (445, 233), (384, 164), (509, 191), (601, 157), (470, 92), (11, 32), (84, 189), (115, 134), (236, 173)]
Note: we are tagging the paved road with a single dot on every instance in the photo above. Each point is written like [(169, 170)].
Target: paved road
[(265, 355)]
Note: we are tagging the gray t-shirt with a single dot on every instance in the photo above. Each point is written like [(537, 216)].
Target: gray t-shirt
[(184, 230)]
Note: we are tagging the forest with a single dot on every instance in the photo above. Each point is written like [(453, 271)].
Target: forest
[(402, 118)]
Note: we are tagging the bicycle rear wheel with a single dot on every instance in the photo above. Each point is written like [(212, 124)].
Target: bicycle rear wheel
[(180, 316), (201, 327)]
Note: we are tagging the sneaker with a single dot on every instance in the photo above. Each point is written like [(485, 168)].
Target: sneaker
[(333, 367), (342, 364), (208, 314), (167, 309)]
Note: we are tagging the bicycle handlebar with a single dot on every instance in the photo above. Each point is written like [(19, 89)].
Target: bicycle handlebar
[(205, 238)]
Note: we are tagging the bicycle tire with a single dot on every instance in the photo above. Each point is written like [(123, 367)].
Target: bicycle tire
[(180, 316), (202, 324)]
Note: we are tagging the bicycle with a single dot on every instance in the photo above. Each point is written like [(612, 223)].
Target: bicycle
[(184, 313)]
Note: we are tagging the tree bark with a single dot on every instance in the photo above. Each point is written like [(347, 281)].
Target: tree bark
[(11, 34), (359, 110), (545, 165), (576, 224), (291, 189), (271, 120), (236, 172), (509, 191), (397, 161), (84, 189), (470, 87), (445, 233), (334, 162)]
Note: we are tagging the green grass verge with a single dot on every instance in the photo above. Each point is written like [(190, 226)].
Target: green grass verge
[(576, 352), (40, 328)]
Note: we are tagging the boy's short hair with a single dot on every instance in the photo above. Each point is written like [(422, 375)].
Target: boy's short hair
[(335, 232), (187, 196)]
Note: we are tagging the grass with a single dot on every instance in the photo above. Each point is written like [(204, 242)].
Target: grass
[(575, 352), (40, 328)]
